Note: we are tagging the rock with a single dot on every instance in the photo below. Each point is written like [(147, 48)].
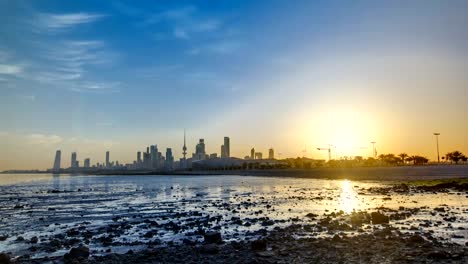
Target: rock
[(439, 255), (209, 249), (78, 252), (212, 237), (258, 245), (336, 238), (3, 237), (379, 218), (416, 239), (4, 258), (34, 240)]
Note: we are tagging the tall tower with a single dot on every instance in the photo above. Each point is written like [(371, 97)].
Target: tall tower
[(184, 148), (73, 162), (107, 159), (58, 157), (227, 147)]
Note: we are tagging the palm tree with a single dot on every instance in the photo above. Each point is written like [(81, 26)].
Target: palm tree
[(455, 156), (403, 157)]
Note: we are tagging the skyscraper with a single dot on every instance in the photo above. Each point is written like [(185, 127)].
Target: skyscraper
[(271, 154), (223, 151), (200, 153), (154, 156), (227, 147), (252, 153), (169, 159), (87, 163), (139, 158), (73, 162), (107, 159), (58, 157)]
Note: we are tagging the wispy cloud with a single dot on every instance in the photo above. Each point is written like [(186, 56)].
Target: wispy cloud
[(97, 87), (55, 22), (9, 69), (220, 47), (42, 139), (184, 22)]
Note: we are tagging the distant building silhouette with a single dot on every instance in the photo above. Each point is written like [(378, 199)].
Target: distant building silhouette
[(138, 161), (107, 159), (74, 162), (252, 153), (169, 159), (258, 155), (226, 148), (87, 163), (200, 153), (223, 151), (271, 154), (58, 158)]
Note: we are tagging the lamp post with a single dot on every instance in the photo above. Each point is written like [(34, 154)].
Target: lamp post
[(437, 142), (373, 148)]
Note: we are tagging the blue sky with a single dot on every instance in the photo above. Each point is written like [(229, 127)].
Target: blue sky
[(121, 75)]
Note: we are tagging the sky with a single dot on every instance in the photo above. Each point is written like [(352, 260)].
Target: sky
[(92, 76)]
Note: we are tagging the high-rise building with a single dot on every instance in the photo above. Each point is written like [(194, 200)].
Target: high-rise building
[(258, 155), (87, 163), (73, 162), (252, 153), (227, 147), (169, 159), (138, 161), (271, 154), (107, 159), (200, 153), (223, 151), (58, 158), (154, 156)]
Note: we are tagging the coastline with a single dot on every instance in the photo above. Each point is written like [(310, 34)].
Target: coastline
[(397, 173)]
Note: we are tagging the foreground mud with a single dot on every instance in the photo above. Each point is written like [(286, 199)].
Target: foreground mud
[(275, 221), (387, 245)]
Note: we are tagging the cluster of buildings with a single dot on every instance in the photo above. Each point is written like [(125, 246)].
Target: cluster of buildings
[(154, 160)]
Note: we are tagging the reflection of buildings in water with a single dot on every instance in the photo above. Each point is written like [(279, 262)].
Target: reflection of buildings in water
[(348, 200), (56, 181)]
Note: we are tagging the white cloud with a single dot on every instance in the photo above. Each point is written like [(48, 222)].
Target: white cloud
[(63, 21), (9, 69), (41, 139)]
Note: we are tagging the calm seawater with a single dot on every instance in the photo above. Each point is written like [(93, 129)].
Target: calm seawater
[(43, 205)]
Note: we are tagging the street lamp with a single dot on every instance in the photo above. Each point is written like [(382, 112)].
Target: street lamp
[(373, 148), (437, 142)]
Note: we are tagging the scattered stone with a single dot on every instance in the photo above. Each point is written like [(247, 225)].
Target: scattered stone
[(259, 245), (212, 237), (379, 218), (77, 253), (4, 258), (209, 249)]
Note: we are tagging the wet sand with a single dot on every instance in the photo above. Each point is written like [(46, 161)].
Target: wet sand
[(398, 173), (104, 219)]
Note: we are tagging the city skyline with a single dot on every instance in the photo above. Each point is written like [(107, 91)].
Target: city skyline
[(92, 76)]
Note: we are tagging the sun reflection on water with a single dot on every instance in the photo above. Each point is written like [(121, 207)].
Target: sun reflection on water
[(348, 197)]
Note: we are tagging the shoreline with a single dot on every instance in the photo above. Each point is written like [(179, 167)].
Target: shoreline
[(397, 173)]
